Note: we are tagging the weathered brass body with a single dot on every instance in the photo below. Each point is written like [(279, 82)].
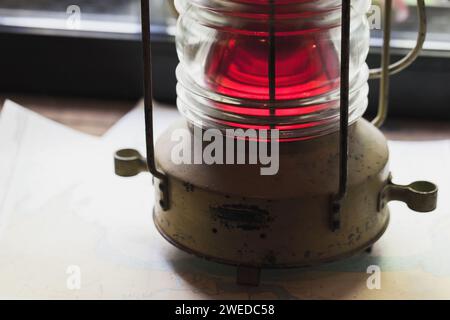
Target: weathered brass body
[(232, 214)]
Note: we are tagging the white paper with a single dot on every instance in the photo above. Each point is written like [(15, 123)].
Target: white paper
[(40, 160)]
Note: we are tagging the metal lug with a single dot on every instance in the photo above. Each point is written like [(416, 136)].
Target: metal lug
[(129, 163), (420, 196)]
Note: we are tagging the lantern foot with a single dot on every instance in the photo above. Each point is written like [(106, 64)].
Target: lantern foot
[(248, 276)]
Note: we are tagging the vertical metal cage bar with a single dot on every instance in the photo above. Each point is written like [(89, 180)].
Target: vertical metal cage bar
[(272, 61), (344, 115), (148, 102), (345, 93)]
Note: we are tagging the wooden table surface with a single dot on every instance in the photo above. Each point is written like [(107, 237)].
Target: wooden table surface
[(94, 116)]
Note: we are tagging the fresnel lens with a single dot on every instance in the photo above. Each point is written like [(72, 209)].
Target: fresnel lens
[(269, 64)]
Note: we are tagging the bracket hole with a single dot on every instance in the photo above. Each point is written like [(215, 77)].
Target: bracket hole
[(423, 187), (128, 155)]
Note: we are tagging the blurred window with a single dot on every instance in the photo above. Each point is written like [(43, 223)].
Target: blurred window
[(106, 16), (406, 23), (122, 17)]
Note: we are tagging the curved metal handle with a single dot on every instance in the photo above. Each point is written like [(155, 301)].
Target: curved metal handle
[(404, 63), (420, 196), (387, 69)]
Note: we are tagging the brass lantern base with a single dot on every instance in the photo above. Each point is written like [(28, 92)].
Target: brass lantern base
[(232, 214)]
